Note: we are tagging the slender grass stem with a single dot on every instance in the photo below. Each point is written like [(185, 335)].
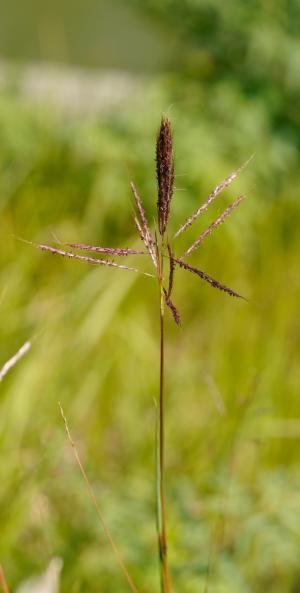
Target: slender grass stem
[(160, 458)]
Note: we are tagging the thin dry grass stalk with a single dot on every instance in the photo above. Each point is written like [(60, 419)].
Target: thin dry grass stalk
[(93, 498), (14, 360)]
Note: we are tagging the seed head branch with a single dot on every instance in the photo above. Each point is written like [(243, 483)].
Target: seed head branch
[(84, 258), (109, 250), (173, 309), (172, 269), (214, 283), (212, 196), (143, 226), (214, 225)]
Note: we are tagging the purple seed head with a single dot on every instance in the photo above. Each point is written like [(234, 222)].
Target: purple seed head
[(165, 172)]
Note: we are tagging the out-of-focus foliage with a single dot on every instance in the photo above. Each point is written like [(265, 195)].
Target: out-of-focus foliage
[(255, 46), (86, 33), (233, 375), (239, 71)]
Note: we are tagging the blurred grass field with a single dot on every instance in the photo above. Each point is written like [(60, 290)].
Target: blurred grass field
[(233, 374)]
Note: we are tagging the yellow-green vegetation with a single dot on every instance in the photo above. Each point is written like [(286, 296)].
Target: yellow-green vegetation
[(233, 374)]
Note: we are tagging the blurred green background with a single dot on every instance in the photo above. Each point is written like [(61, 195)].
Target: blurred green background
[(83, 86)]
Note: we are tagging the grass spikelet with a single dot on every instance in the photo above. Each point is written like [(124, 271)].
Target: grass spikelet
[(165, 173)]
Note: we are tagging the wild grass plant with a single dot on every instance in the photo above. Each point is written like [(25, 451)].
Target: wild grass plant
[(159, 247)]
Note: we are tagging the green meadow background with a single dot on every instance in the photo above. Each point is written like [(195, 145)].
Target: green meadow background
[(228, 76)]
